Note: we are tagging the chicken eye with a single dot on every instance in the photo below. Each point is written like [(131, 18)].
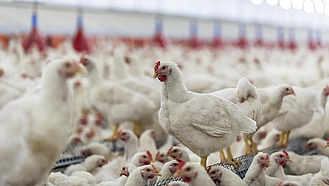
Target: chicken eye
[(175, 164), (163, 68), (287, 89), (281, 156), (161, 155), (123, 133), (262, 158), (213, 172), (67, 65), (188, 169), (175, 150), (144, 156), (148, 170)]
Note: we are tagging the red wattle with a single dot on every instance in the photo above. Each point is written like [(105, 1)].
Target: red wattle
[(80, 42), (187, 179), (162, 78)]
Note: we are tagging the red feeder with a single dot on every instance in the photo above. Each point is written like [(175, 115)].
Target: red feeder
[(218, 43), (80, 40), (160, 40), (242, 43), (34, 38)]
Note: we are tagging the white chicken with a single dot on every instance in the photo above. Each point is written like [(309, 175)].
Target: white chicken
[(295, 112), (116, 102), (168, 170), (141, 175), (91, 164), (303, 164), (279, 159), (34, 137), (256, 176), (222, 176), (193, 174), (246, 97), (188, 116), (318, 145), (315, 127), (271, 99)]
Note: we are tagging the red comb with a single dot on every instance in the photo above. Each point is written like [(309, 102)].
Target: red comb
[(149, 154), (156, 66), (173, 147), (181, 164), (158, 153), (286, 153), (119, 132), (328, 139), (179, 160), (154, 168), (208, 169)]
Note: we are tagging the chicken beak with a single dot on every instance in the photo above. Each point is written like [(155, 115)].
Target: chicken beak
[(166, 155), (82, 70), (158, 174), (289, 160), (121, 173), (326, 145), (178, 174), (156, 74), (293, 93), (153, 160)]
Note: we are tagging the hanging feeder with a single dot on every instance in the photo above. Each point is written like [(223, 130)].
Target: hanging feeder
[(217, 42), (194, 40), (80, 41), (242, 42), (34, 38), (159, 38)]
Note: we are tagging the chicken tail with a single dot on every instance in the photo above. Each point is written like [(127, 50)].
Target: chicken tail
[(248, 125)]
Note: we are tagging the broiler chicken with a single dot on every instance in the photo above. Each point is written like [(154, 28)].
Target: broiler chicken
[(246, 97), (115, 102), (203, 123), (222, 176), (296, 111), (193, 174), (318, 145), (168, 170), (32, 139), (141, 175), (91, 164), (314, 129), (279, 159), (256, 176), (271, 98)]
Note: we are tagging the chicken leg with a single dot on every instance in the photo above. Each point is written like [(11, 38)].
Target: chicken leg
[(286, 139), (137, 128), (236, 163), (281, 140), (246, 142), (222, 156), (203, 162), (253, 146), (114, 134)]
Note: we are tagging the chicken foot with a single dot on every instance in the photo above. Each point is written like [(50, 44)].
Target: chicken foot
[(236, 163), (114, 134), (138, 128)]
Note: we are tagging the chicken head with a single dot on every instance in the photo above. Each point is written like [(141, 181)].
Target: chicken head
[(287, 91), (282, 158), (215, 174), (263, 160), (186, 171), (150, 172)]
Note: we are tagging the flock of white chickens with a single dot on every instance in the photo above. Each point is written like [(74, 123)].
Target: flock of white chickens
[(219, 104)]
